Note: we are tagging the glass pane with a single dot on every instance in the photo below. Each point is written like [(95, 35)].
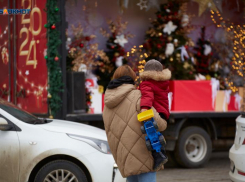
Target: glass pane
[(18, 113), (31, 64), (4, 53)]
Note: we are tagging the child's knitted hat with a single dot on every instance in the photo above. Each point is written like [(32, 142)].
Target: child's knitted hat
[(153, 65)]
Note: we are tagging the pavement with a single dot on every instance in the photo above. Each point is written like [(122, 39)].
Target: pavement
[(217, 170)]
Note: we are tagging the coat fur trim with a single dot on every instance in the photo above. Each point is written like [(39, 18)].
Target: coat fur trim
[(164, 75)]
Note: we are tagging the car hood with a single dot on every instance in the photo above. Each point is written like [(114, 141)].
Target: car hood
[(69, 127)]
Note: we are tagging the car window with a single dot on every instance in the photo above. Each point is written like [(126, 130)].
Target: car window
[(19, 113), (15, 128)]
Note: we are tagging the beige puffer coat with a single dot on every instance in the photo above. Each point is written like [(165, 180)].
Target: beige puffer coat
[(126, 141)]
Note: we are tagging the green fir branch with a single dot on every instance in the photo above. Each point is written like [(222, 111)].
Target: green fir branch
[(54, 71)]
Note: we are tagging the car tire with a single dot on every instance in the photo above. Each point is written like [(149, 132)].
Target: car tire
[(193, 148), (61, 167), (148, 145), (162, 140), (143, 129), (155, 125)]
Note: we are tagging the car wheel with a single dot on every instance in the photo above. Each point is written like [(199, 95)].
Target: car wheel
[(148, 145), (193, 148), (162, 140), (61, 170), (155, 125), (143, 129)]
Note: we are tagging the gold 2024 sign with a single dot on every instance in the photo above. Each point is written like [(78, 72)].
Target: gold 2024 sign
[(24, 30)]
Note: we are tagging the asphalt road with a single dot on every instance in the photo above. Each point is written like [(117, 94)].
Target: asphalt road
[(217, 170)]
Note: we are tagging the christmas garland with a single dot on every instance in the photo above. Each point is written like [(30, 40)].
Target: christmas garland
[(52, 57)]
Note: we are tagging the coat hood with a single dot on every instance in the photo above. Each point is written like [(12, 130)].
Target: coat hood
[(113, 97), (156, 75)]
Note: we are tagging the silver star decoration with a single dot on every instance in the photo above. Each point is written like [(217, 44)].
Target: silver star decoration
[(142, 4), (120, 40), (169, 28)]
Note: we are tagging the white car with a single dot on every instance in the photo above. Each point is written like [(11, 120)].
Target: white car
[(40, 150), (237, 153)]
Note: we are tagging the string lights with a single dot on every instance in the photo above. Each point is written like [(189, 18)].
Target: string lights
[(138, 60), (237, 35), (2, 35), (36, 89)]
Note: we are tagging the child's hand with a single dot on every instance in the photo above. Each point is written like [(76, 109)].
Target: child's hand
[(142, 110)]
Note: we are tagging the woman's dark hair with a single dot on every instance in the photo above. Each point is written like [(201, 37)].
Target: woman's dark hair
[(124, 70)]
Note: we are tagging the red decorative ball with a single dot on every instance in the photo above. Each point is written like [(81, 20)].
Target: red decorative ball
[(159, 46), (159, 16), (199, 54), (81, 45), (112, 47), (56, 58), (53, 27), (87, 38)]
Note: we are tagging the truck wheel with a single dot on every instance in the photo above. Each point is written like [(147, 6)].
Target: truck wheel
[(155, 125), (143, 129), (162, 140), (193, 148), (148, 145)]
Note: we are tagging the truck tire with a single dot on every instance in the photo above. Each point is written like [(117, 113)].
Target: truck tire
[(143, 129), (193, 148), (155, 125), (148, 145), (162, 140)]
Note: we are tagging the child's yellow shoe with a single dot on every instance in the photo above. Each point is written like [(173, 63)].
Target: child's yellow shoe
[(145, 115)]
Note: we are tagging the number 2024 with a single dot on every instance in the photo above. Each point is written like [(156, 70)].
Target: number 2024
[(24, 30)]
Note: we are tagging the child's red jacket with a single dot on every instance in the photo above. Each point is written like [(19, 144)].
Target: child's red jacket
[(154, 90)]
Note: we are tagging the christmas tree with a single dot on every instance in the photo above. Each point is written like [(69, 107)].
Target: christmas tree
[(167, 41), (115, 51), (203, 55), (83, 52)]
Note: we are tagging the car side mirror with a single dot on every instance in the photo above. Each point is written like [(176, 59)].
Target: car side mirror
[(4, 126)]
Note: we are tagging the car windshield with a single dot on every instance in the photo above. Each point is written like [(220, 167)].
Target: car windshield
[(19, 113)]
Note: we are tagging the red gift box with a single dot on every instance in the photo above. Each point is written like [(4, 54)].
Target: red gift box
[(235, 102), (232, 104), (191, 96)]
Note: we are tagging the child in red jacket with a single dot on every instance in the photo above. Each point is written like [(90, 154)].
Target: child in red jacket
[(154, 90)]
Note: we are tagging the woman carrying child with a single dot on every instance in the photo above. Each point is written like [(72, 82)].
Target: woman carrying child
[(126, 141)]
